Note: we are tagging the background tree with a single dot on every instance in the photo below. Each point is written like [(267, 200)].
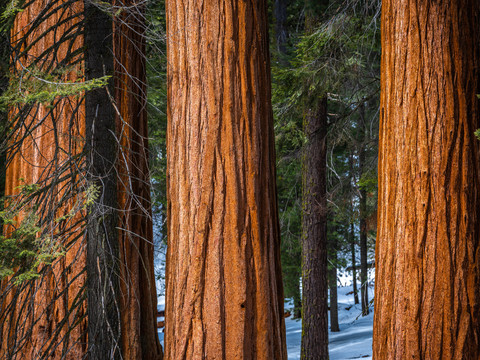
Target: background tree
[(427, 289)]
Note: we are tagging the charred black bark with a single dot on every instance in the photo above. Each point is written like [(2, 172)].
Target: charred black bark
[(102, 237)]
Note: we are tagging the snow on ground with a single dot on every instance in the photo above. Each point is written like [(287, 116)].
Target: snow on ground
[(354, 341)]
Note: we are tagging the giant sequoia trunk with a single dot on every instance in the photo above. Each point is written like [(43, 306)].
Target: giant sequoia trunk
[(224, 295), (35, 316), (427, 292), (138, 301), (48, 317), (314, 237)]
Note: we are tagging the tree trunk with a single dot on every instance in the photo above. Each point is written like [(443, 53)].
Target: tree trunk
[(297, 302), (47, 317), (427, 261), (36, 316), (332, 281), (363, 217), (314, 238), (281, 34), (138, 293), (354, 265), (103, 282), (224, 294)]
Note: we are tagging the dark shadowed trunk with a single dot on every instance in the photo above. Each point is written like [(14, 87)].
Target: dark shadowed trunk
[(332, 281), (314, 237), (103, 285), (281, 34), (363, 216), (354, 265)]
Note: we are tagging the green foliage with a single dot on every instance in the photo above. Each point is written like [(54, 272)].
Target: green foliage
[(25, 247), (35, 87), (477, 134)]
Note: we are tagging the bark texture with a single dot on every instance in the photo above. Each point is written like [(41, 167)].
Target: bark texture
[(138, 303), (427, 285), (224, 295), (314, 237), (103, 280), (51, 310), (36, 315)]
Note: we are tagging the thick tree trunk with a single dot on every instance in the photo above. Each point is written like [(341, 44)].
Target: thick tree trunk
[(314, 238), (35, 317), (427, 283), (138, 294), (354, 265), (47, 317), (224, 295), (363, 217)]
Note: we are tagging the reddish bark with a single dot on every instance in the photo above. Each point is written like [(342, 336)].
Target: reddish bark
[(427, 292), (139, 298), (224, 296), (39, 309)]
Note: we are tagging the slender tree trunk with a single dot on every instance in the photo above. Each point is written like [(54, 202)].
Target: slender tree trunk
[(354, 265), (363, 216), (314, 222), (297, 302), (103, 283), (224, 294), (332, 281), (427, 283), (314, 238), (281, 33), (138, 294)]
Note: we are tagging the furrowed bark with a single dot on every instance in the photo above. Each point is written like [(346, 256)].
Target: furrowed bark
[(138, 302), (103, 281), (35, 316), (224, 295), (427, 261), (314, 237)]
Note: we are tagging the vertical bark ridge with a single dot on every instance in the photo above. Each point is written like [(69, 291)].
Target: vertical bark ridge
[(138, 304), (427, 285), (54, 304), (40, 313), (222, 261)]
